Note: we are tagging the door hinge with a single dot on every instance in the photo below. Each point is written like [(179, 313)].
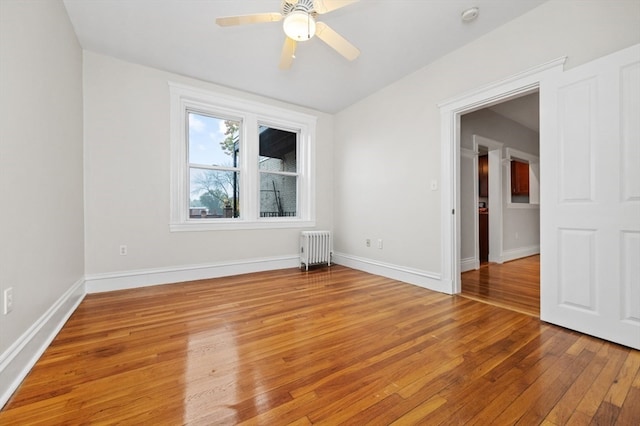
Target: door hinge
[(453, 211)]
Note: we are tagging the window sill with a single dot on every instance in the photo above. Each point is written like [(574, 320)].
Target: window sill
[(230, 225)]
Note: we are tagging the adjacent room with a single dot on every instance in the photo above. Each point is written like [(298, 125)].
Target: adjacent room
[(267, 212), (500, 234)]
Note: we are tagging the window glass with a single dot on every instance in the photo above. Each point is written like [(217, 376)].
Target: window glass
[(278, 150), (214, 176), (214, 194), (278, 195), (213, 141)]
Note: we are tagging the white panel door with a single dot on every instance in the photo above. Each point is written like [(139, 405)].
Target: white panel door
[(590, 198)]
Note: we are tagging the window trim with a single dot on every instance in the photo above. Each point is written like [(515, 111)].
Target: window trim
[(185, 98)]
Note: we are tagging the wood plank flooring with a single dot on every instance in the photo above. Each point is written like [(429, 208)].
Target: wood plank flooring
[(327, 347), (513, 285)]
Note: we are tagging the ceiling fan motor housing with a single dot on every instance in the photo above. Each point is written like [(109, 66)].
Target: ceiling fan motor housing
[(306, 6)]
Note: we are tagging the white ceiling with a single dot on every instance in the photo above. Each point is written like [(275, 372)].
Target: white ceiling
[(395, 37)]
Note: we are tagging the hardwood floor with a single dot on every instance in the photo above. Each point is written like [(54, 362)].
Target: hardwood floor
[(513, 285), (331, 346)]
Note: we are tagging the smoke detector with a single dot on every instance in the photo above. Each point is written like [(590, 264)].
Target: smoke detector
[(470, 14)]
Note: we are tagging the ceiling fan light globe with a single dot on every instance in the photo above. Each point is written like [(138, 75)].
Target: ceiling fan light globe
[(299, 25)]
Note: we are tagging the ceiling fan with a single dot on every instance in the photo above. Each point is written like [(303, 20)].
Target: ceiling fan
[(300, 24)]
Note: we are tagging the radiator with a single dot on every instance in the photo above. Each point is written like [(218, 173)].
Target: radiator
[(315, 248)]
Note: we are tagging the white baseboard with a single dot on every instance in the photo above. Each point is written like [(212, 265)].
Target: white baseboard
[(518, 253), (21, 356), (97, 283), (469, 264), (428, 280)]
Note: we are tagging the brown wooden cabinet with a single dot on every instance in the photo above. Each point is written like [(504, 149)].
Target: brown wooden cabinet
[(483, 175), (519, 178), (483, 237)]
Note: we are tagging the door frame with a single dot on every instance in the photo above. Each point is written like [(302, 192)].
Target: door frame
[(494, 150), (450, 111)]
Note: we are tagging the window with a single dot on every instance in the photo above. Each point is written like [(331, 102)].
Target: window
[(523, 179), (237, 164)]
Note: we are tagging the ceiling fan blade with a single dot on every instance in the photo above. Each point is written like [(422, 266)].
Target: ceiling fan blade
[(228, 21), (336, 41), (325, 6), (288, 51)]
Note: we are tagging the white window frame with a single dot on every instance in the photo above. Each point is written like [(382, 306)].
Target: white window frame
[(251, 114), (534, 184)]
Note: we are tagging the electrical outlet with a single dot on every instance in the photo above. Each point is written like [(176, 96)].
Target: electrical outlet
[(8, 300), (123, 250), (367, 242), (380, 244)]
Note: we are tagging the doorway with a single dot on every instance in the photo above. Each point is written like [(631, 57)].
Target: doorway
[(450, 112), (570, 292), (500, 226)]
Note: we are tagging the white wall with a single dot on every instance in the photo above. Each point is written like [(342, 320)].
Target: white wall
[(127, 178), (388, 145), (526, 222), (41, 215)]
